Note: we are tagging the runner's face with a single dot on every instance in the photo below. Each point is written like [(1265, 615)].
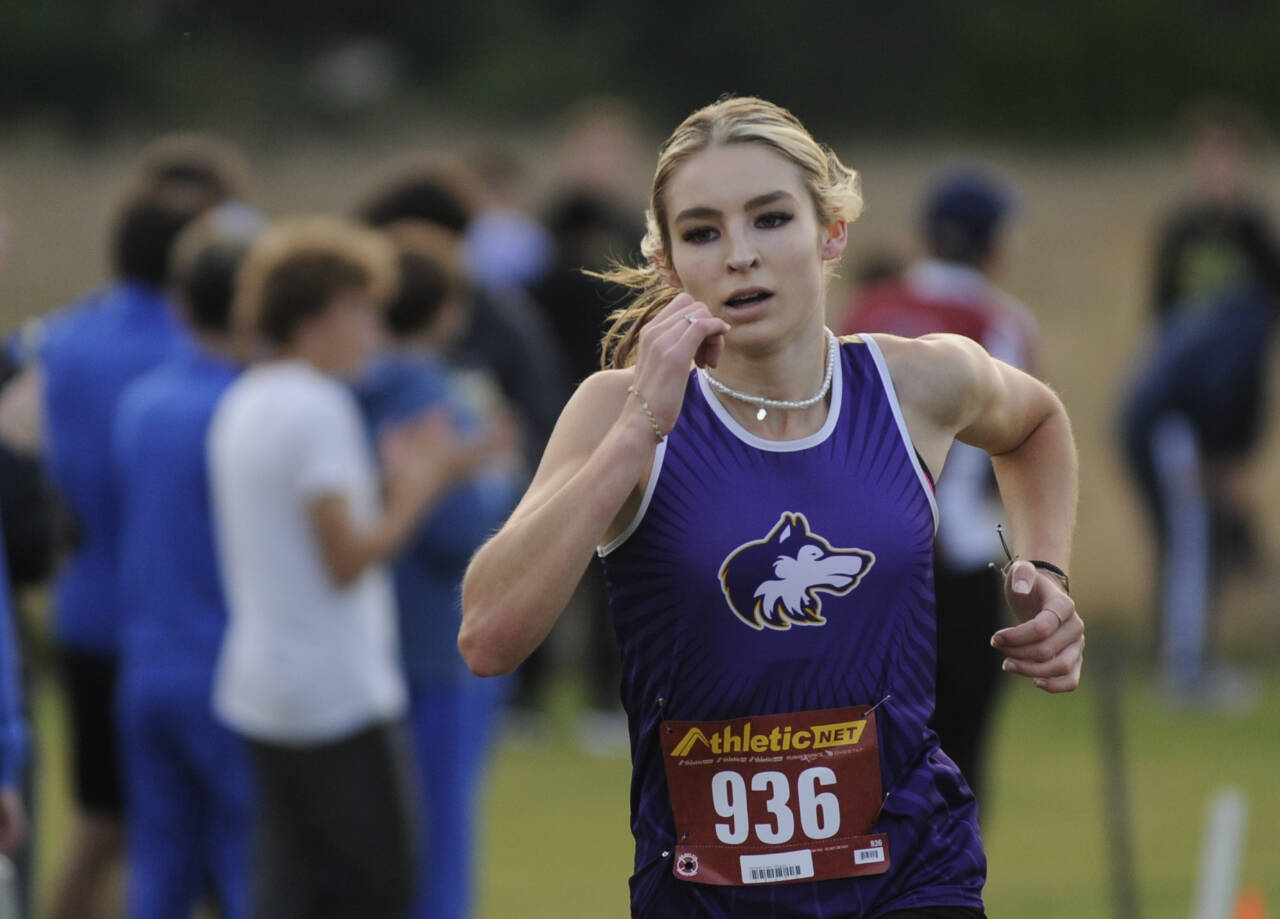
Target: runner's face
[(745, 238)]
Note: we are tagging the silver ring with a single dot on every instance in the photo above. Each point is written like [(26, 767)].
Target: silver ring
[(690, 318)]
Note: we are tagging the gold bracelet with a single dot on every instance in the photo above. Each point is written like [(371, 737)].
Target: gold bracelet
[(653, 422)]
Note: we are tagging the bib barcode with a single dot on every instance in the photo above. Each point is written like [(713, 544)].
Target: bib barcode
[(776, 866), (868, 856), (774, 874)]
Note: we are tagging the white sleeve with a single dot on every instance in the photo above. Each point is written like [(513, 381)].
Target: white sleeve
[(969, 511), (331, 456)]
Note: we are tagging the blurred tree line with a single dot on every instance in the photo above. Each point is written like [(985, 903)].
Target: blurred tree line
[(1088, 69)]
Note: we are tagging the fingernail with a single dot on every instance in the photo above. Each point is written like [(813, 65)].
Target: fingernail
[(1008, 666), (1040, 684), (995, 641), (1021, 584)]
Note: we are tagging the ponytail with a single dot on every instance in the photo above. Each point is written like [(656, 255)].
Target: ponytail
[(618, 347)]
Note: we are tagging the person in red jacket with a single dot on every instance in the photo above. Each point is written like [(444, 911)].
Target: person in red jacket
[(949, 290)]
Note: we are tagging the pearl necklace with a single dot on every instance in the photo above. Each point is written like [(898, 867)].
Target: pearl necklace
[(763, 404)]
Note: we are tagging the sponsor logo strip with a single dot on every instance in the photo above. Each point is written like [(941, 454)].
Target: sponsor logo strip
[(779, 739)]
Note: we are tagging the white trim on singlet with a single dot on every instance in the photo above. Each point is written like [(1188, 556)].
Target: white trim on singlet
[(780, 446), (890, 391), (659, 454)]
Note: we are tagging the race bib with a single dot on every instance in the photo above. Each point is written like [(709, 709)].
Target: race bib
[(775, 799)]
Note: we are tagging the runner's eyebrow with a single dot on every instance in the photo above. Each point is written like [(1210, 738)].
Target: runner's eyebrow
[(768, 198), (706, 213)]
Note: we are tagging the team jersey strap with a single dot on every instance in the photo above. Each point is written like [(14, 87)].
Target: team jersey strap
[(774, 799)]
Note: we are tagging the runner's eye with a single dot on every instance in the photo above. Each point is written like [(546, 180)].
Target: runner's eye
[(773, 219), (696, 235)]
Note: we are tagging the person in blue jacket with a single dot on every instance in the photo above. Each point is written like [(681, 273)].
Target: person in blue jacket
[(186, 778), (450, 711), (1194, 405), (90, 352)]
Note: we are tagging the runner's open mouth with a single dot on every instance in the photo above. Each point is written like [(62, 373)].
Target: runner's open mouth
[(747, 299)]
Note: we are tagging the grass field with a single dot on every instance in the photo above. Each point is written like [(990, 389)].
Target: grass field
[(556, 841), (556, 838)]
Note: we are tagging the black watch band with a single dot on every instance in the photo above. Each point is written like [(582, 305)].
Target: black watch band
[(1054, 570)]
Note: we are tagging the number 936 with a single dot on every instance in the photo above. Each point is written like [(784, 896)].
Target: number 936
[(819, 811)]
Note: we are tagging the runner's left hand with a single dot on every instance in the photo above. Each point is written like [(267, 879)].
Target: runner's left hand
[(1047, 646)]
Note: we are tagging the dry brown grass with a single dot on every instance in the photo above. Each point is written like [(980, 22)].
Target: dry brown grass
[(1079, 259)]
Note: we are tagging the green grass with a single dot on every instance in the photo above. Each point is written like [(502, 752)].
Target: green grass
[(557, 843)]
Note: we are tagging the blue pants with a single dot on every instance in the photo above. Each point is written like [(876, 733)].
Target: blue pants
[(1198, 395), (188, 797), (452, 724)]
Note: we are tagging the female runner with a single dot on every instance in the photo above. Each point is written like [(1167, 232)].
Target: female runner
[(761, 495)]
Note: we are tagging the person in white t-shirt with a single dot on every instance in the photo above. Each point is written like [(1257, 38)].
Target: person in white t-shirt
[(309, 670)]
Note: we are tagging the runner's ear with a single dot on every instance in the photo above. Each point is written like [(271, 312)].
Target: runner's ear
[(667, 271), (834, 239)]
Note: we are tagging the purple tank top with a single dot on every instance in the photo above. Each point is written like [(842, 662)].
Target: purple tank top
[(726, 605)]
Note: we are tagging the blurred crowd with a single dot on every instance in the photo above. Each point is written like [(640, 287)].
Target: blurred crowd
[(255, 462)]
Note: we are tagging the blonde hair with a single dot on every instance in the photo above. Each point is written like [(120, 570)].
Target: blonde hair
[(296, 267), (832, 186)]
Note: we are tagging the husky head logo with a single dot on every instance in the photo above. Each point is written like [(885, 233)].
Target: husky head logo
[(775, 581)]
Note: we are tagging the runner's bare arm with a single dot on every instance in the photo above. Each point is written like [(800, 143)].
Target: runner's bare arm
[(519, 582), (950, 388), (586, 488)]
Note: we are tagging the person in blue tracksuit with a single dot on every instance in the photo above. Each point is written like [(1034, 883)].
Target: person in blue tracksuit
[(90, 352), (185, 775), (450, 711)]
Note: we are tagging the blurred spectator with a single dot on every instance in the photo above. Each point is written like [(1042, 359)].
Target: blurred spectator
[(1218, 238), (506, 248), (600, 151), (1182, 418), (962, 226), (1189, 444), (591, 217), (87, 355), (309, 670), (505, 336), (451, 711), (25, 495), (203, 161), (14, 741), (589, 232), (186, 777)]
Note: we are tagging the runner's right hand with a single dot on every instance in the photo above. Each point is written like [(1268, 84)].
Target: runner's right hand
[(683, 333)]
